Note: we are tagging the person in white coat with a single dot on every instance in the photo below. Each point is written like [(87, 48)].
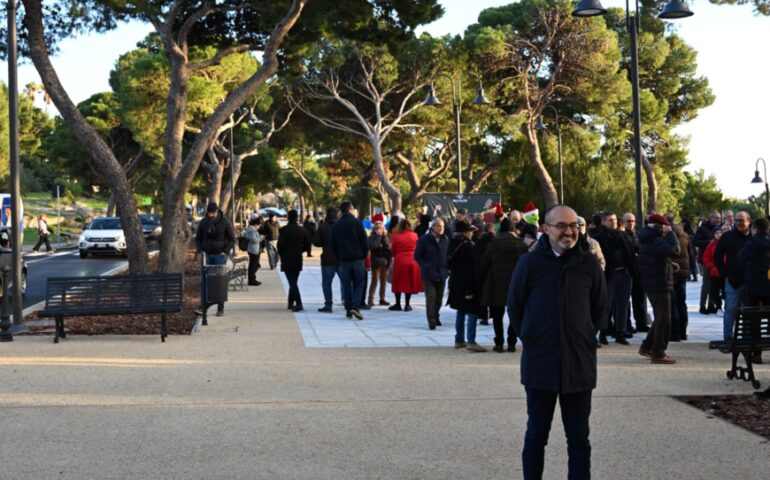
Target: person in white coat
[(255, 243)]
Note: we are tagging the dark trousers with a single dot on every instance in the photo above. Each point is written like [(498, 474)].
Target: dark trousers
[(497, 322), (638, 302), (716, 284), (253, 266), (618, 291), (679, 318), (434, 297), (352, 277), (657, 337), (42, 238), (705, 288), (575, 410), (292, 277)]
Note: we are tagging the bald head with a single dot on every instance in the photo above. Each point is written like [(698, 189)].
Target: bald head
[(561, 226)]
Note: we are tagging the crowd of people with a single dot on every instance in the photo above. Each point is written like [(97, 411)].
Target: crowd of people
[(567, 286)]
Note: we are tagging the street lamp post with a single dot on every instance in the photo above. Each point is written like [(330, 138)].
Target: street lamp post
[(232, 176), (758, 179), (541, 126), (457, 94), (673, 9), (13, 133)]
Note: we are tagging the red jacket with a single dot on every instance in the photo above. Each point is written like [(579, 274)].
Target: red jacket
[(708, 258)]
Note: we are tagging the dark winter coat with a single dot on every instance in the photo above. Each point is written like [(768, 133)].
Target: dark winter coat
[(703, 236), (270, 230), (379, 248), (755, 256), (556, 305), (725, 257), (618, 251), (310, 227), (655, 253), (497, 265), (293, 241), (462, 278), (349, 239), (215, 236), (682, 258), (323, 239), (431, 255)]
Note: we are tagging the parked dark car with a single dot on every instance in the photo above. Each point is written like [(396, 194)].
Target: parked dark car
[(6, 258), (151, 228)]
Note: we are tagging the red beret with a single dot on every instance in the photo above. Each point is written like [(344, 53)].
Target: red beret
[(657, 218)]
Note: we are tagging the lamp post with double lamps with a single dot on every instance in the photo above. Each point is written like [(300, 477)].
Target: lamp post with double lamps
[(758, 179), (542, 126), (457, 101), (674, 9)]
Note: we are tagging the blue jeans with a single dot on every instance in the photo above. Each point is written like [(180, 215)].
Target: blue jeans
[(212, 259), (733, 300), (575, 411), (460, 327), (327, 276), (352, 276)]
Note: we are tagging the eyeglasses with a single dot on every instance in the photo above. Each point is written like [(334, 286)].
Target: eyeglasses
[(563, 226)]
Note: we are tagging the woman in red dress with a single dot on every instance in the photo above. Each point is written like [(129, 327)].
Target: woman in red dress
[(406, 272)]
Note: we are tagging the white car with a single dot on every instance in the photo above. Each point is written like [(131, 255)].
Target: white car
[(103, 235)]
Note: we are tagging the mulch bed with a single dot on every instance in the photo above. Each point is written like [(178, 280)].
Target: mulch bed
[(751, 412), (180, 323)]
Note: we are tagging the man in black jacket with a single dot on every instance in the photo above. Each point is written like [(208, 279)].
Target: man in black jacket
[(351, 247), (557, 299), (734, 273), (619, 254), (293, 241), (431, 254), (657, 246), (214, 238), (329, 260), (703, 236), (310, 228)]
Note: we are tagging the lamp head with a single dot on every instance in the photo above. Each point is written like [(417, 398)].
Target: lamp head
[(481, 99), (757, 178), (589, 8), (675, 9), (540, 125), (431, 99)]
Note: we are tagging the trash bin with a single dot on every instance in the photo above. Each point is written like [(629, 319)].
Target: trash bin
[(217, 278)]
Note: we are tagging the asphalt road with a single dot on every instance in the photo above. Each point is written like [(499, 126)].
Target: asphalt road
[(64, 263)]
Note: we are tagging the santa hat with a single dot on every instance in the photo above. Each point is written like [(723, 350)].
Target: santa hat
[(498, 210), (531, 213)]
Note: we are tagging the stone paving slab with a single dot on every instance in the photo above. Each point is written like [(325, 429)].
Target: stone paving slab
[(384, 328)]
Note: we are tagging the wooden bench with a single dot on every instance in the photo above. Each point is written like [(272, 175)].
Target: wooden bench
[(115, 295), (751, 334)]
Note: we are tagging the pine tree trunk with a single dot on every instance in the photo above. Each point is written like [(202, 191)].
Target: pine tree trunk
[(547, 188)]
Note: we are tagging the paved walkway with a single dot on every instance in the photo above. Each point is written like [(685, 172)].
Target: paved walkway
[(384, 328), (243, 398)]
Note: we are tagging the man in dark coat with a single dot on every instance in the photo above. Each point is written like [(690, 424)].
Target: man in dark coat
[(293, 241), (657, 246), (734, 273), (556, 301), (619, 254), (329, 260), (703, 236), (497, 265), (310, 228), (431, 255), (214, 238), (270, 231), (351, 247), (464, 288), (638, 298)]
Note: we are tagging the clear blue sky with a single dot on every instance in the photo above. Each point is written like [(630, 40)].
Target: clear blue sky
[(732, 46)]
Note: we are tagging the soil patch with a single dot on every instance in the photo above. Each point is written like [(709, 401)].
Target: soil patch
[(180, 323), (751, 412)]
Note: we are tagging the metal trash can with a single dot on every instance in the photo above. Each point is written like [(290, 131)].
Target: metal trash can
[(217, 279)]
